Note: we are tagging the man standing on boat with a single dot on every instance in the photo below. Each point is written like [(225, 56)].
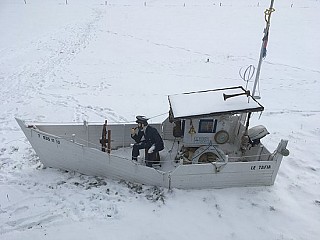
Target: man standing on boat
[(146, 137)]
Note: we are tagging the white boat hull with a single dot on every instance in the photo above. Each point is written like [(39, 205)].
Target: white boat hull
[(61, 153)]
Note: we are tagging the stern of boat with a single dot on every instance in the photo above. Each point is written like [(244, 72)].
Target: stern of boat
[(280, 152)]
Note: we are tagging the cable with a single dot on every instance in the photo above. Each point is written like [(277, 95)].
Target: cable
[(158, 115)]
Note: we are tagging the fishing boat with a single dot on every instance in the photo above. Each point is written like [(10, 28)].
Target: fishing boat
[(208, 141)]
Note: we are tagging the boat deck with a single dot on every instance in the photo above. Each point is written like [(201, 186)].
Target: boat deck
[(167, 156), (169, 160)]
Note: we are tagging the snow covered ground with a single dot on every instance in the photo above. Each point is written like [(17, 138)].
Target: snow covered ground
[(94, 60)]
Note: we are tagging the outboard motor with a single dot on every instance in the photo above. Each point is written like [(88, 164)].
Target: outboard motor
[(256, 133)]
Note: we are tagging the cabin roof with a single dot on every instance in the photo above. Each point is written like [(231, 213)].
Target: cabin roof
[(211, 103)]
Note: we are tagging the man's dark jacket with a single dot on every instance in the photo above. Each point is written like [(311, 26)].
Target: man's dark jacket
[(151, 136)]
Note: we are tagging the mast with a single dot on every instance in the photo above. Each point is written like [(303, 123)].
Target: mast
[(263, 51)]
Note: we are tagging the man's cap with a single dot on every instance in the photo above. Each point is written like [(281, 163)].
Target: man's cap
[(141, 119)]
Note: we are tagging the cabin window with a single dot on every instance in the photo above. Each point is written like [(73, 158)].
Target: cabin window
[(207, 125)]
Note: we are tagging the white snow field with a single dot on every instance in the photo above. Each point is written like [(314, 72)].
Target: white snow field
[(95, 60)]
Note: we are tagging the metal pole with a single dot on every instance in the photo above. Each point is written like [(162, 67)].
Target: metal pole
[(109, 141), (266, 33)]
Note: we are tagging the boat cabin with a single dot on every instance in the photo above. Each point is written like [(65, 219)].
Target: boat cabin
[(213, 125)]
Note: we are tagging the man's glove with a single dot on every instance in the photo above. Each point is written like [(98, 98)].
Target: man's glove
[(151, 149)]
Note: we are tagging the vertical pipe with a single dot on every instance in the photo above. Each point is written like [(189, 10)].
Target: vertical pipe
[(103, 140), (109, 141)]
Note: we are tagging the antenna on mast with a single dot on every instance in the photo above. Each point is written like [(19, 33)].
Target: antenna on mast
[(247, 74), (263, 51)]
